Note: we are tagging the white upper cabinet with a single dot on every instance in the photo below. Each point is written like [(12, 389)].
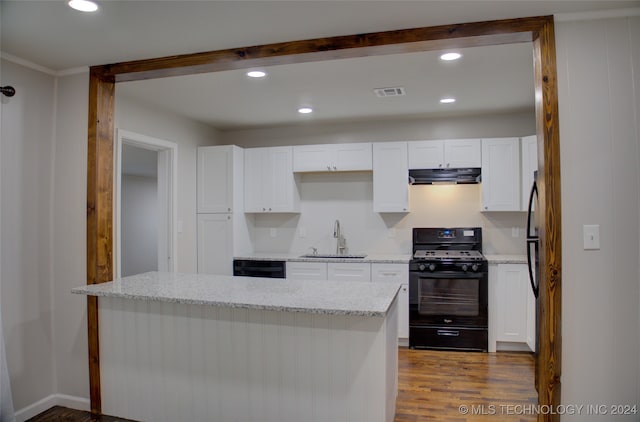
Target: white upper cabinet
[(269, 184), (529, 160), (332, 157), (390, 177), (219, 168), (450, 153), (501, 174)]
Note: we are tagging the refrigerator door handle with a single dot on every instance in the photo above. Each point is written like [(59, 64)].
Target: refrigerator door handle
[(530, 264), (532, 194)]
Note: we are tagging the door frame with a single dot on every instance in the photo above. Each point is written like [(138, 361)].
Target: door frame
[(167, 195), (538, 30)]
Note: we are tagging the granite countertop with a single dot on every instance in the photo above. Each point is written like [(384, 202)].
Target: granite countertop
[(327, 297), (506, 259), (373, 258)]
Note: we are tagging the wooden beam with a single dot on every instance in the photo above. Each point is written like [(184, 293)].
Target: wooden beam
[(550, 300), (349, 46), (99, 211)]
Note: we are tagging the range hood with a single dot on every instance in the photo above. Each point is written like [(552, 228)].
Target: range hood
[(444, 176)]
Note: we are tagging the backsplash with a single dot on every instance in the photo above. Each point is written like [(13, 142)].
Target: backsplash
[(348, 197)]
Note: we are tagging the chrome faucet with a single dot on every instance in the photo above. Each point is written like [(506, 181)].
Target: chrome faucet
[(341, 246)]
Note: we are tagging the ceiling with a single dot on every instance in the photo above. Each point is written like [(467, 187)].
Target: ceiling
[(486, 79)]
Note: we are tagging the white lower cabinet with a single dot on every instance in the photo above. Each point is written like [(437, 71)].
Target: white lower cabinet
[(512, 308), (215, 244), (348, 271), (396, 273), (307, 270), (360, 271)]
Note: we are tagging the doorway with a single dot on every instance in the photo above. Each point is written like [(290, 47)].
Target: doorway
[(145, 204)]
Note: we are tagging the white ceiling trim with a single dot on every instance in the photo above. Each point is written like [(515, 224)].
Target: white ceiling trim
[(26, 63), (39, 68), (600, 14)]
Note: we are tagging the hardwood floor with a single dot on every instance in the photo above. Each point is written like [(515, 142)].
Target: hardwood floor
[(432, 386)]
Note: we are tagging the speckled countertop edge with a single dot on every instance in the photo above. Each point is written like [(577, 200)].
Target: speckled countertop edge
[(327, 297), (373, 258), (506, 259)]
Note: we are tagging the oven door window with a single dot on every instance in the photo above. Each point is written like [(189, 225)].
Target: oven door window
[(449, 296)]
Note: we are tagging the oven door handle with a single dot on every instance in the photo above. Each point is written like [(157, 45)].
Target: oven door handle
[(449, 275), (448, 333)]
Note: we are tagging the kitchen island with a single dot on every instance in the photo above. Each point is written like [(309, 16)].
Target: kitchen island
[(205, 347)]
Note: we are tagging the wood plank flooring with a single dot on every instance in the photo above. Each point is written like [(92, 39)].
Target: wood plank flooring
[(432, 385)]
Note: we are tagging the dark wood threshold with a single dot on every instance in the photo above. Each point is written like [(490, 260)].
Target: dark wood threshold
[(64, 414)]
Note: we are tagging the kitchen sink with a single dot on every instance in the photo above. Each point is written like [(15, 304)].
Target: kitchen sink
[(329, 256)]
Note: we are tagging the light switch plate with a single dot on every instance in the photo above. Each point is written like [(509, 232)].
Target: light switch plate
[(591, 234)]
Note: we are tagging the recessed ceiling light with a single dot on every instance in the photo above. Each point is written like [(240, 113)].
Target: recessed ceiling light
[(305, 110), (256, 74), (447, 100), (83, 5), (450, 56)]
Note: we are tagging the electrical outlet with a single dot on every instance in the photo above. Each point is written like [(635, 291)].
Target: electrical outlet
[(273, 232)]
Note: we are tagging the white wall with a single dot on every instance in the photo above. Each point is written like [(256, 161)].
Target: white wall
[(477, 126), (139, 214), (144, 120), (599, 81), (26, 143), (349, 196)]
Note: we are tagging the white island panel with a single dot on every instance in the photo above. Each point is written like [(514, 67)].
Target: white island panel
[(167, 361)]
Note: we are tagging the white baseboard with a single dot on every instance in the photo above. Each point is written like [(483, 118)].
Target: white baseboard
[(48, 402)]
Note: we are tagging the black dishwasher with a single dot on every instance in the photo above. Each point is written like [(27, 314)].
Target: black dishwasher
[(258, 268)]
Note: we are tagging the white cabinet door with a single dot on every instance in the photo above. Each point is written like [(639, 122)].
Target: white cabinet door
[(215, 244), (270, 185), (280, 183), (352, 157), (529, 162), (396, 273), (426, 154), (462, 153), (390, 177), (253, 180), (511, 293), (403, 311), (531, 317), (215, 178), (348, 271), (307, 270), (501, 174), (332, 157), (308, 158)]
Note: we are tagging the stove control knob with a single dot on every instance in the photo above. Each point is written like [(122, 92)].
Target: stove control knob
[(465, 267), (432, 267), (421, 267), (474, 267)]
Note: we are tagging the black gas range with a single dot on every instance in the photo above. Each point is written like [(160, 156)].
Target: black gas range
[(448, 290)]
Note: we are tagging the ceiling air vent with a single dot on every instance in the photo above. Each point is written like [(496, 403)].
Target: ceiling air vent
[(389, 92)]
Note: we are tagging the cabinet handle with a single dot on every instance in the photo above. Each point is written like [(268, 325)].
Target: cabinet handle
[(264, 209), (486, 208), (229, 209), (269, 209), (404, 289), (329, 168), (335, 168), (228, 217), (448, 165), (440, 165)]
